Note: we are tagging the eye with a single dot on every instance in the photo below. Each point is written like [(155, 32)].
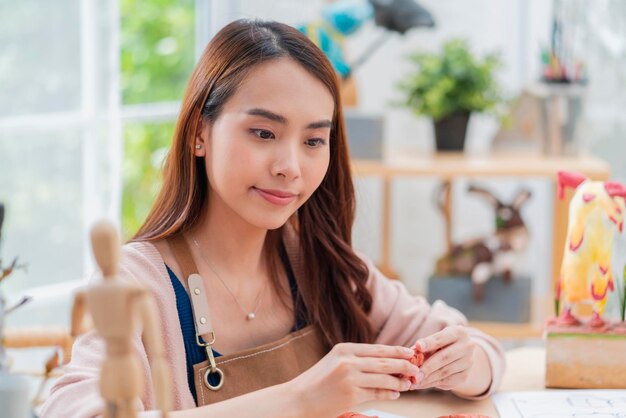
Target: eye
[(315, 142), (263, 134)]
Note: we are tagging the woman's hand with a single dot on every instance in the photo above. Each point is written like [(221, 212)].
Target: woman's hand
[(455, 362), (351, 374)]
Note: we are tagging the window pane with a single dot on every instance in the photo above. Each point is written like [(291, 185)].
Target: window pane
[(145, 148), (40, 58), (41, 188), (157, 49)]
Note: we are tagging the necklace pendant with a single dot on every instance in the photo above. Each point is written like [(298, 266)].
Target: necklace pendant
[(251, 316)]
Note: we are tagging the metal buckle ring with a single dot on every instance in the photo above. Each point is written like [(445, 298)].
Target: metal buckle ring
[(206, 379), (205, 344)]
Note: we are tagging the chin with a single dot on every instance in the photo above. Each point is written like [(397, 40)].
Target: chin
[(269, 222), (272, 226)]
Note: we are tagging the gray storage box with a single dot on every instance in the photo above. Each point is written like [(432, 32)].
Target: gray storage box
[(365, 134), (501, 302)]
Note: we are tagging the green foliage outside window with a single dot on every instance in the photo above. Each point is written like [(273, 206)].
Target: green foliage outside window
[(157, 49), (157, 42), (145, 148)]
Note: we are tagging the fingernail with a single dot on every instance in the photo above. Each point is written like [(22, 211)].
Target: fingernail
[(395, 395), (421, 344), (407, 350), (406, 385), (419, 376)]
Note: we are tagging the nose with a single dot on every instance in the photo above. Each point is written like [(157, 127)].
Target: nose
[(287, 162)]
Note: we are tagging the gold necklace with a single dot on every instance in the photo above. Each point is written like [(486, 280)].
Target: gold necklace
[(249, 315)]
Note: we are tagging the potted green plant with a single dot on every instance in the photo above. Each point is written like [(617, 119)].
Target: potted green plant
[(448, 87)]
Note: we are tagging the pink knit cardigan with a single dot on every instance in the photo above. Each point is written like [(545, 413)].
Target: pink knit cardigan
[(398, 317)]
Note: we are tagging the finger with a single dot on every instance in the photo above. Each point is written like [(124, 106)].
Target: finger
[(387, 366), (379, 350), (441, 339), (459, 366), (451, 382), (446, 356), (383, 381), (378, 395)]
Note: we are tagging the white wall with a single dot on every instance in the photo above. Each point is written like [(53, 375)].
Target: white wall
[(512, 28), (517, 29)]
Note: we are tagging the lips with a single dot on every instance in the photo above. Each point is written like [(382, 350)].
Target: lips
[(277, 197), (278, 193)]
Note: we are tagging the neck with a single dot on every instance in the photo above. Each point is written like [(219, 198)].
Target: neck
[(232, 245)]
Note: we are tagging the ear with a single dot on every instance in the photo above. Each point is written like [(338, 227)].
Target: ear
[(522, 196), (486, 194), (201, 138)]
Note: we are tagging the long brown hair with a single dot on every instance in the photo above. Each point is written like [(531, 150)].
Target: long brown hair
[(333, 293)]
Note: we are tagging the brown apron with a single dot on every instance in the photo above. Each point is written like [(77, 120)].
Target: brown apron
[(224, 377)]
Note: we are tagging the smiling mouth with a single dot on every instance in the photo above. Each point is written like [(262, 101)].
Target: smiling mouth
[(276, 197)]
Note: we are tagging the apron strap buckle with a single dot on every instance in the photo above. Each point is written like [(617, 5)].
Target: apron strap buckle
[(213, 369)]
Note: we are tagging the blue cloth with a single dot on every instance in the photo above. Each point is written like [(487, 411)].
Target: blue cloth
[(347, 16), (195, 354)]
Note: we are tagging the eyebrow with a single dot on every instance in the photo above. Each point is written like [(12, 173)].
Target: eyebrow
[(283, 120)]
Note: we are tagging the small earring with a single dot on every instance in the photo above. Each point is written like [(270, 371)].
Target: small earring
[(198, 146)]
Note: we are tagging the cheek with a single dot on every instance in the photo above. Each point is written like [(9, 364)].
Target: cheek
[(230, 160), (316, 171)]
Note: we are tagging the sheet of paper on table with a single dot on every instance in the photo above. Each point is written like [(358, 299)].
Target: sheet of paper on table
[(380, 414), (561, 404)]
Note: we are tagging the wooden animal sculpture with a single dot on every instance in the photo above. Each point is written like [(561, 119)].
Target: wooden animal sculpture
[(482, 258), (596, 214), (115, 306)]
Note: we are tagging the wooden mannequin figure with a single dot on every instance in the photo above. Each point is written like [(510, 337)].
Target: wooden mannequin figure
[(115, 306)]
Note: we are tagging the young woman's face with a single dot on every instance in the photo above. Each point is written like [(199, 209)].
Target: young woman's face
[(269, 148)]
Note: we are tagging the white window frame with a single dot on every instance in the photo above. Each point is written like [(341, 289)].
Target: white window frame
[(104, 199)]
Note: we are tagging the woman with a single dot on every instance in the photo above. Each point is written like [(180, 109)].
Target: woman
[(258, 200)]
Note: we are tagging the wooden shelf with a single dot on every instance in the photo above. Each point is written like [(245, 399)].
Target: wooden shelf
[(541, 307), (451, 165), (506, 330)]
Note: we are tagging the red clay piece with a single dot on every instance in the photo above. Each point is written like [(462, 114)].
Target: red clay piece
[(418, 359)]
